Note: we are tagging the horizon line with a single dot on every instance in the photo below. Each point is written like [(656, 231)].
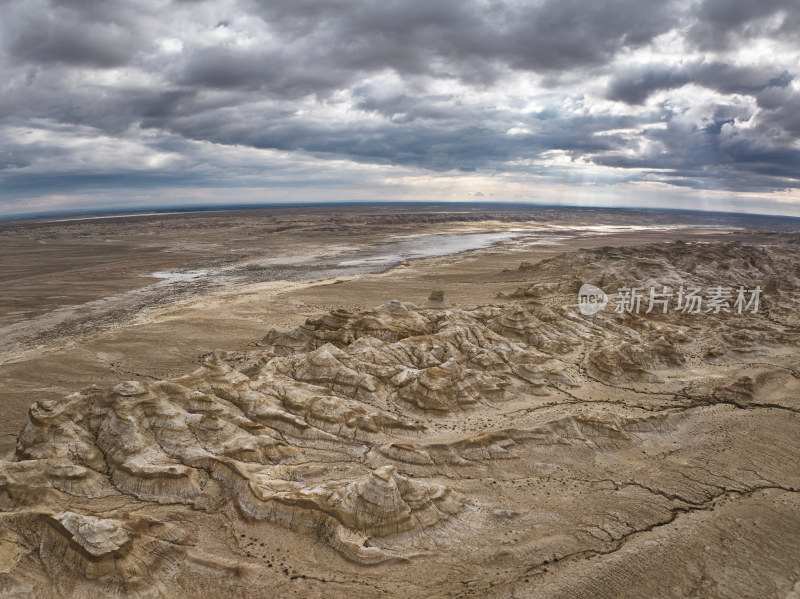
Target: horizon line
[(176, 209)]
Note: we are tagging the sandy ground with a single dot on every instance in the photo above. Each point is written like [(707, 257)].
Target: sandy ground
[(624, 457), (90, 276)]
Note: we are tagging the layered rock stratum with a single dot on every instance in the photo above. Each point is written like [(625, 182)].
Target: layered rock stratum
[(521, 448)]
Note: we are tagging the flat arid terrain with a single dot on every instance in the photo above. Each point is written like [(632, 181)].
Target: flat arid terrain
[(396, 401)]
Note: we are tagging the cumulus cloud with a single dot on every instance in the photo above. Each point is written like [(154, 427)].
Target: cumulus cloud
[(702, 94)]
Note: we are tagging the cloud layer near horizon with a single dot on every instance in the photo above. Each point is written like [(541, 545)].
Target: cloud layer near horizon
[(344, 97)]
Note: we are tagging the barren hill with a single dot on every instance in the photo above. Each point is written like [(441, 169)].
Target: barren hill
[(516, 448)]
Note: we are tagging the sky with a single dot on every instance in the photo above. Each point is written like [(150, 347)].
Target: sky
[(666, 103)]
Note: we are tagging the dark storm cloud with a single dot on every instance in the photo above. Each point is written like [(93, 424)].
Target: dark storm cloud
[(49, 40), (324, 46), (427, 132), (91, 34), (636, 86), (274, 73), (720, 154), (731, 79), (461, 85), (459, 36), (404, 107), (719, 24)]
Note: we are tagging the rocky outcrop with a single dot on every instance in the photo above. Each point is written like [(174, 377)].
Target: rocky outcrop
[(391, 434), (437, 299)]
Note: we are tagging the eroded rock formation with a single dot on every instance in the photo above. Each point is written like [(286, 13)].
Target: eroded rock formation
[(517, 435)]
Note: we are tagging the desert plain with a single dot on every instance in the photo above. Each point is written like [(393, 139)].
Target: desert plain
[(398, 401)]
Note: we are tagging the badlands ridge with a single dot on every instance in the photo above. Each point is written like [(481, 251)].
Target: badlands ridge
[(519, 448)]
